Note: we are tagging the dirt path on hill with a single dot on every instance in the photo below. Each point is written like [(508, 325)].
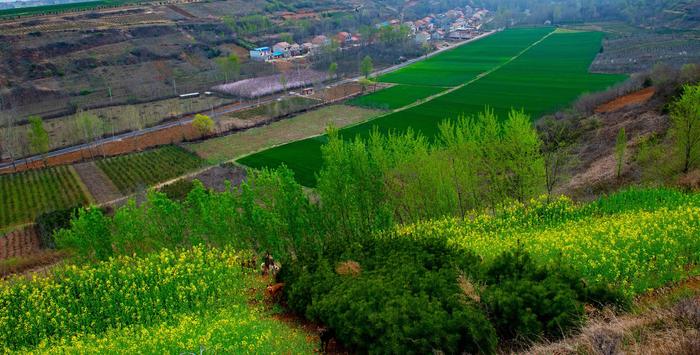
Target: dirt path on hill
[(97, 182)]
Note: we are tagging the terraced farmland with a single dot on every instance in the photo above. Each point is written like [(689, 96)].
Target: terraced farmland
[(25, 195), (547, 76), (133, 171)]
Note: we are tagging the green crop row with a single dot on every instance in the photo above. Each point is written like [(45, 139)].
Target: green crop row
[(462, 64), (133, 171), (25, 195), (395, 97)]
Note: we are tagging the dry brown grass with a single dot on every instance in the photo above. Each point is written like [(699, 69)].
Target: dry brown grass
[(666, 321)]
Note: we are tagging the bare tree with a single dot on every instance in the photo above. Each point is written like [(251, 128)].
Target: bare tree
[(8, 140)]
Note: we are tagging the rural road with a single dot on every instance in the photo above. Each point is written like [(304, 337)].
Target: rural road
[(228, 109)]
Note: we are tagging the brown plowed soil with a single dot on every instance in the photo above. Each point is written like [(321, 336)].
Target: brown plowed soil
[(635, 98), (20, 243), (33, 265), (99, 184)]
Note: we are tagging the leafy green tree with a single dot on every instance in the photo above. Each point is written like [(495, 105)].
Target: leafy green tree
[(366, 67), (89, 236), (685, 126), (521, 150), (365, 83), (38, 137), (332, 70), (620, 148), (203, 124), (230, 66)]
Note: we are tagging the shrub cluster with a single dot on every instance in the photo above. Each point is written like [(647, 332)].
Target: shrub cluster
[(418, 295)]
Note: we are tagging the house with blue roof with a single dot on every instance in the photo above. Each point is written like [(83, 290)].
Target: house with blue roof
[(261, 53)]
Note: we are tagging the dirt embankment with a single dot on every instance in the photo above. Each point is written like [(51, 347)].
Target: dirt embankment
[(635, 98), (596, 166)]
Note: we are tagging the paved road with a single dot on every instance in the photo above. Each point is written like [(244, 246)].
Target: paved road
[(225, 110)]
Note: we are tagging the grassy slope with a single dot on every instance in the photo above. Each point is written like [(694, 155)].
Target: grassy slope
[(545, 78)]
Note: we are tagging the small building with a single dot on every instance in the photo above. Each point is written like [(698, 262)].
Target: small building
[(460, 34), (307, 91), (438, 35), (295, 50), (343, 37), (261, 54), (422, 37), (282, 47), (321, 40), (307, 47)]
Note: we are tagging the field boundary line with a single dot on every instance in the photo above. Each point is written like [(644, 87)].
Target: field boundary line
[(411, 105), (88, 195)]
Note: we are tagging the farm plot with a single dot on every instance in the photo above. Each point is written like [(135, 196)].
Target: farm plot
[(133, 171), (310, 123), (464, 63), (543, 79), (395, 97), (26, 195)]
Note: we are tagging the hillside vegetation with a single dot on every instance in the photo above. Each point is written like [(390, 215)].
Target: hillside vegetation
[(407, 245)]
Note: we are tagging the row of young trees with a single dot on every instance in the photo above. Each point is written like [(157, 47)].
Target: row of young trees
[(14, 145), (34, 138), (476, 163)]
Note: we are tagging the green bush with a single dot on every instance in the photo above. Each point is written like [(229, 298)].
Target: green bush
[(403, 299), (178, 190), (409, 311), (50, 222), (527, 302)]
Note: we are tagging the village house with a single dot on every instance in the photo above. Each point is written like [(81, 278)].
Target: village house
[(295, 50), (261, 54), (419, 25), (307, 47), (411, 27), (282, 47), (321, 40), (343, 38), (422, 37), (438, 35), (460, 34)]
